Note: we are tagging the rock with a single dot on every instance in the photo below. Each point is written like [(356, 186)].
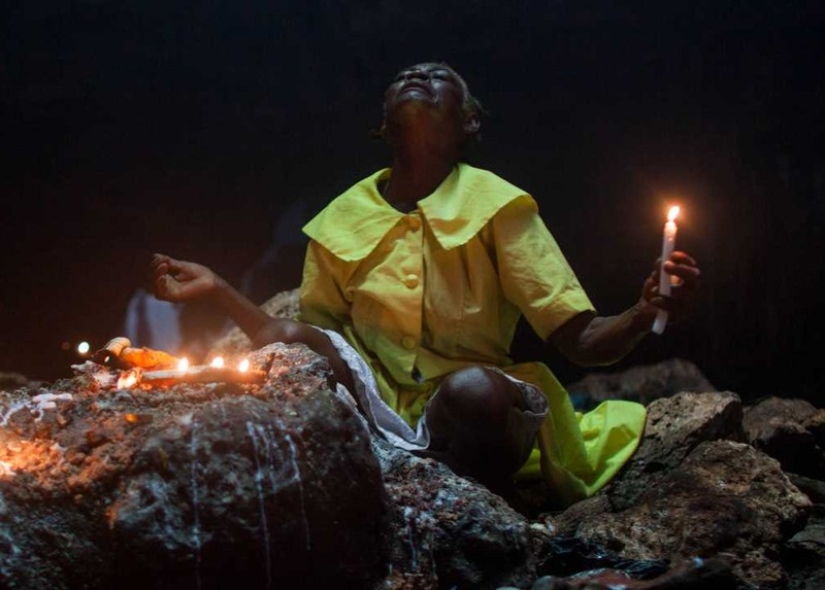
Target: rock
[(788, 430), (448, 531), (206, 487), (674, 427), (281, 484), (815, 424), (642, 384), (694, 573), (709, 497), (705, 498), (804, 554), (813, 488)]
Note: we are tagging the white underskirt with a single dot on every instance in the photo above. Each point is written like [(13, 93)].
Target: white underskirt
[(390, 425)]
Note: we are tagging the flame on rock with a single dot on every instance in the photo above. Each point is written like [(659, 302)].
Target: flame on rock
[(243, 366), (127, 379), (217, 362), (183, 364)]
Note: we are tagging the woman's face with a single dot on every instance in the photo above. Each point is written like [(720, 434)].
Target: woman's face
[(427, 82), (436, 89)]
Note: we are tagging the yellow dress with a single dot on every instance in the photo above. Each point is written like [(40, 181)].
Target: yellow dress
[(423, 294)]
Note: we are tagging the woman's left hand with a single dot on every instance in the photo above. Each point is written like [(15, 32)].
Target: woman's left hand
[(683, 291)]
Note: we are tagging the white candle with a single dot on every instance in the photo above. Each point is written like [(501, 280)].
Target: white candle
[(668, 242), (202, 374)]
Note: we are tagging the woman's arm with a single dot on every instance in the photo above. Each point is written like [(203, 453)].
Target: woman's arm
[(179, 281), (591, 340)]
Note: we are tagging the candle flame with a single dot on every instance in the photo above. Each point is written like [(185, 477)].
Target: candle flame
[(126, 380), (183, 364), (673, 213), (243, 365), (217, 362)]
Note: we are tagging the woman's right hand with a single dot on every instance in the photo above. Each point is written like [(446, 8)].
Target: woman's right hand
[(176, 280)]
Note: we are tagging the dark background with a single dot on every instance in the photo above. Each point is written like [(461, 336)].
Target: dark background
[(187, 128)]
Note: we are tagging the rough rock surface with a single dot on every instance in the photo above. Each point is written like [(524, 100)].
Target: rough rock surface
[(790, 430), (642, 384), (209, 486), (688, 492), (675, 426), (694, 510), (449, 532), (706, 508), (195, 485)]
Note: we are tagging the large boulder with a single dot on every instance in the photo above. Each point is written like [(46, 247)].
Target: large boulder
[(256, 486), (208, 486)]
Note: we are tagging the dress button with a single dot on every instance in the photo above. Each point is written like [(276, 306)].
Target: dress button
[(411, 281), (408, 342), (414, 222)]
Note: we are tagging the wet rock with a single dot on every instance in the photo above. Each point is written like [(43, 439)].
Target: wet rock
[(205, 487)]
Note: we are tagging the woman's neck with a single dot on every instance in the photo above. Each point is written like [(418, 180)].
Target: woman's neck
[(413, 179)]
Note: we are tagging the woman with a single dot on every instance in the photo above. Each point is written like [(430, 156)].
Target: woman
[(413, 283)]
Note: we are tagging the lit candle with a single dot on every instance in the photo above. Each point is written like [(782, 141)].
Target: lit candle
[(202, 374), (215, 372), (83, 349), (668, 241)]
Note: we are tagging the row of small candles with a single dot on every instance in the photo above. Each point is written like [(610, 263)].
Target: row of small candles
[(150, 367), (215, 372)]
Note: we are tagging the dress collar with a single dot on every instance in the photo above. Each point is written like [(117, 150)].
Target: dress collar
[(353, 224)]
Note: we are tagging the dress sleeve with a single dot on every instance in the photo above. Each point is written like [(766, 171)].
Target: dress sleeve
[(322, 300), (533, 271)]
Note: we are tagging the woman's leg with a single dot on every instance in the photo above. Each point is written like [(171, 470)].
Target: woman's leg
[(477, 427)]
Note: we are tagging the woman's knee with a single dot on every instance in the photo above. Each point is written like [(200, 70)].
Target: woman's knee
[(476, 421), (480, 393)]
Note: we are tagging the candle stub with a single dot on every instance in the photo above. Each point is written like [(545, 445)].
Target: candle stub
[(668, 243), (202, 374)]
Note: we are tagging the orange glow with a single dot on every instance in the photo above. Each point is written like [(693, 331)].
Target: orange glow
[(217, 362), (183, 364), (673, 213), (243, 365), (126, 380)]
